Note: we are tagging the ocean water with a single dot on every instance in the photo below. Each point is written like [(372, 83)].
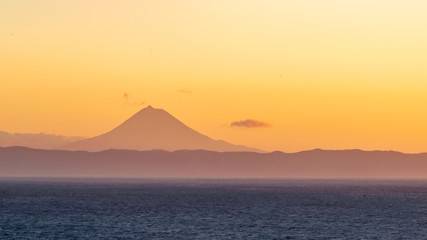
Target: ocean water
[(212, 209)]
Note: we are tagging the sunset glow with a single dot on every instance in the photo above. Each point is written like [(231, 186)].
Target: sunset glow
[(310, 74)]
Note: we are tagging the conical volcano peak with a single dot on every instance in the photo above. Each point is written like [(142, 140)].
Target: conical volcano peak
[(148, 111), (153, 128), (151, 111), (148, 121), (149, 108)]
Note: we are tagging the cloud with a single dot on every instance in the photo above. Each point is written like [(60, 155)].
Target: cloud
[(185, 91), (250, 123), (127, 101)]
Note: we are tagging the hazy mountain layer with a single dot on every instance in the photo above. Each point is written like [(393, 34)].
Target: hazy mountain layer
[(19, 161), (35, 140)]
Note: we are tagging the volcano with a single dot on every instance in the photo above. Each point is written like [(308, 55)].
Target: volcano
[(151, 129)]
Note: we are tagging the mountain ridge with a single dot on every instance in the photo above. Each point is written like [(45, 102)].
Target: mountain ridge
[(324, 164)]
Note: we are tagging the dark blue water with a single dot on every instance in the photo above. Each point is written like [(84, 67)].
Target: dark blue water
[(212, 209)]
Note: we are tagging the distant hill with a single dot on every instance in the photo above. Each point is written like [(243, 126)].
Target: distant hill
[(150, 129), (20, 161), (35, 140)]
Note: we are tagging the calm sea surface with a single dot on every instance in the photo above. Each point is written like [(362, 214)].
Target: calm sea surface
[(212, 209)]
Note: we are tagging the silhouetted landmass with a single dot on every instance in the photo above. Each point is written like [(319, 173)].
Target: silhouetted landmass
[(150, 129), (35, 140), (20, 161)]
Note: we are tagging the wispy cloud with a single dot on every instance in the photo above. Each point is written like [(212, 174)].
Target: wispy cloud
[(250, 123), (129, 102)]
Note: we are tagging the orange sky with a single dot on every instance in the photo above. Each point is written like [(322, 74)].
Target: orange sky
[(327, 74)]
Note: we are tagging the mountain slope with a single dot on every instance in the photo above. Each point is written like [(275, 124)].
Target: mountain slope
[(151, 129)]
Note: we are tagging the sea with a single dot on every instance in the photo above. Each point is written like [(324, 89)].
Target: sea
[(62, 208)]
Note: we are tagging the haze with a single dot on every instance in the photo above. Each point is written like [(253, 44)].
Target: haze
[(308, 74)]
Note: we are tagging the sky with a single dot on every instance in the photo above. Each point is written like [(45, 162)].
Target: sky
[(275, 75)]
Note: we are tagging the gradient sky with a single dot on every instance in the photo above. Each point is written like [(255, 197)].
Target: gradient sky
[(326, 74)]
